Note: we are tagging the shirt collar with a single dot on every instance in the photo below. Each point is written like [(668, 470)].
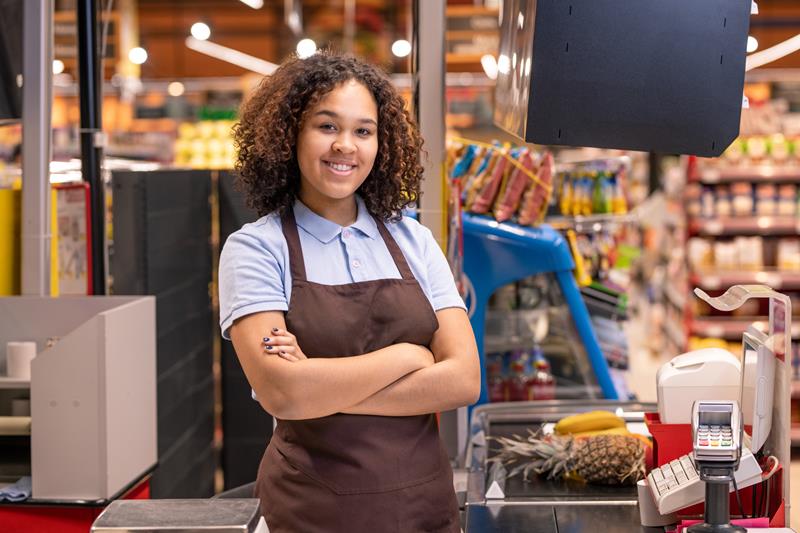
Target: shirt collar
[(324, 230)]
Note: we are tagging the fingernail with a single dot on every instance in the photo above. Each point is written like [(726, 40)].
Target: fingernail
[(282, 353), (266, 339), (274, 330), (268, 348)]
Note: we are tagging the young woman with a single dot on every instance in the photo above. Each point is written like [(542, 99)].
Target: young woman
[(344, 315)]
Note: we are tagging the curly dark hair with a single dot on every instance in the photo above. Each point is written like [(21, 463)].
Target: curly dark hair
[(271, 119)]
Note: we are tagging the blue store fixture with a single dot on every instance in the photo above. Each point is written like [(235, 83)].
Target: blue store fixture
[(496, 254)]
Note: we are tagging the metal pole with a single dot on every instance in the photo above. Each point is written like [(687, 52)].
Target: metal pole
[(428, 99), (428, 77), (90, 133), (37, 75)]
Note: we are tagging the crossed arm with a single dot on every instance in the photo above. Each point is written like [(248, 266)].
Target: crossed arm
[(399, 380)]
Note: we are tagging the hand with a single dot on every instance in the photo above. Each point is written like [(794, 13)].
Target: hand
[(284, 345)]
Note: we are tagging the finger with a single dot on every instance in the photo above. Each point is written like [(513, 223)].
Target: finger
[(278, 340), (288, 357), (280, 348)]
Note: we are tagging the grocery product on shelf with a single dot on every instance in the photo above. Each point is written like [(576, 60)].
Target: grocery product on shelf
[(509, 183), (206, 144)]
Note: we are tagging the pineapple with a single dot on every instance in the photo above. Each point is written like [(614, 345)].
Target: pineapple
[(602, 459)]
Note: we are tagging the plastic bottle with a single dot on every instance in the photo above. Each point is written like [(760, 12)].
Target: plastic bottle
[(495, 381), (517, 380), (542, 383)]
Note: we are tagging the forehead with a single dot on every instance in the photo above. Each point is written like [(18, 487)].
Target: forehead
[(351, 99)]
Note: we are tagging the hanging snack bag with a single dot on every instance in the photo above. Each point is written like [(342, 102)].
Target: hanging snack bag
[(489, 188), (517, 184), (475, 183), (536, 198), (475, 173)]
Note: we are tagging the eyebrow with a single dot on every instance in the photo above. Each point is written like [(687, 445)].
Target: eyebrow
[(335, 115)]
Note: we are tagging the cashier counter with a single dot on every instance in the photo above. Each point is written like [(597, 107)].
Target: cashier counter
[(760, 383), (92, 393)]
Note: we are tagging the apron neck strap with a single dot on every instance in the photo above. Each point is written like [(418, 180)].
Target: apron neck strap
[(397, 254), (297, 263)]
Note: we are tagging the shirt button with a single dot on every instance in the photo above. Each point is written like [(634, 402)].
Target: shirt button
[(356, 263), (346, 233)]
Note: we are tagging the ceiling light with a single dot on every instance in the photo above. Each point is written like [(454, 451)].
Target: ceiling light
[(773, 53), (401, 48), (200, 30), (175, 88), (137, 55), (58, 66), (489, 64), (255, 4), (503, 64), (306, 48), (232, 56), (752, 44)]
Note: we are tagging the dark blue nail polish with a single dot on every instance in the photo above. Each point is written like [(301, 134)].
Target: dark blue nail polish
[(266, 339), (269, 347), (274, 330)]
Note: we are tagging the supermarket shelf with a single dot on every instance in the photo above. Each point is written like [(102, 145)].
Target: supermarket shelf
[(745, 225), (674, 296), (731, 328), (789, 279), (796, 388), (795, 433), (675, 334), (14, 383), (590, 222), (752, 173)]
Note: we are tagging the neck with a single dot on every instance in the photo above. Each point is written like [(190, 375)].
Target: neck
[(343, 212)]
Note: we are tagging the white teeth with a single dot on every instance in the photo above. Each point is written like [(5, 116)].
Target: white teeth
[(340, 167)]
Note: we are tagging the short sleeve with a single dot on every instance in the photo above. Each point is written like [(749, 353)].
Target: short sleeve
[(251, 278), (443, 290)]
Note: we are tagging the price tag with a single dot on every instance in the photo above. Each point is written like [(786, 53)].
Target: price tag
[(713, 227), (715, 331), (711, 282)]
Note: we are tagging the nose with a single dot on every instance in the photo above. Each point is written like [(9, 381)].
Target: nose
[(343, 144)]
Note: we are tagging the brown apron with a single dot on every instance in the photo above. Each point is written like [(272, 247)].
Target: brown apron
[(357, 473)]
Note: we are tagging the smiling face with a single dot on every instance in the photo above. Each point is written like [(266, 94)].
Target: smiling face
[(336, 146)]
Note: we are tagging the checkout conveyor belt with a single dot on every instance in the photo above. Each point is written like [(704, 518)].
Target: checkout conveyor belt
[(540, 505)]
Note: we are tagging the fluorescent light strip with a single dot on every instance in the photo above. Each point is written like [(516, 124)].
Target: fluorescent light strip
[(232, 56), (773, 53), (255, 4)]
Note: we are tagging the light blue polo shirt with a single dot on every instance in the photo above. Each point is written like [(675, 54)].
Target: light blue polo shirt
[(254, 274)]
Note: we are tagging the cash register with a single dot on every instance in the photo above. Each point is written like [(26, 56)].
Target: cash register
[(723, 457)]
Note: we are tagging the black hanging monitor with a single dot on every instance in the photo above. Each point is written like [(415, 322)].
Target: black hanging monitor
[(10, 60), (653, 75)]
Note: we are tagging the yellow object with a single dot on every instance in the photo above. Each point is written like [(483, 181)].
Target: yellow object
[(591, 421), (581, 275), (10, 243)]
